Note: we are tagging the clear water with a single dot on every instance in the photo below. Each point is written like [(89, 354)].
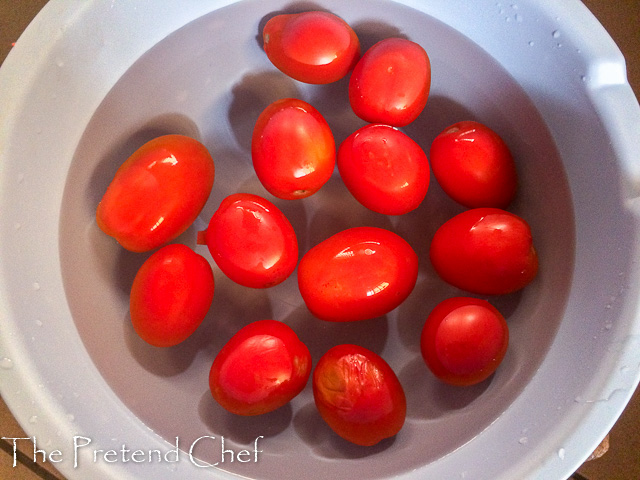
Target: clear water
[(210, 80)]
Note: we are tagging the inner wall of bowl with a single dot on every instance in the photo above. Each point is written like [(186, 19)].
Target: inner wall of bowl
[(198, 83)]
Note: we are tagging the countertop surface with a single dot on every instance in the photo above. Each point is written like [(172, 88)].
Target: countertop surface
[(621, 462)]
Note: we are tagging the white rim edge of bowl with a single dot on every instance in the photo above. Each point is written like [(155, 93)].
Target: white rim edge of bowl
[(617, 105)]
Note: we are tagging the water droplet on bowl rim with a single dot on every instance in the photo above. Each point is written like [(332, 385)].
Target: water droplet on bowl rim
[(6, 363)]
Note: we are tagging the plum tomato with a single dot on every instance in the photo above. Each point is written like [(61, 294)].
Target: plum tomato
[(261, 368), (390, 83), (384, 169), (358, 395), (170, 296), (293, 149), (357, 274), (157, 193), (464, 340), (487, 251), (312, 47), (474, 166), (251, 241)]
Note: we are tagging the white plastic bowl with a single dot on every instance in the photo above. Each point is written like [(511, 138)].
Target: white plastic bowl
[(89, 81)]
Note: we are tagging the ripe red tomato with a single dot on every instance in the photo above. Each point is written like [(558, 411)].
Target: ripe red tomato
[(293, 149), (359, 395), (390, 83), (384, 169), (464, 340), (312, 47), (488, 251), (357, 274), (157, 193), (170, 295), (474, 166), (251, 241), (261, 368)]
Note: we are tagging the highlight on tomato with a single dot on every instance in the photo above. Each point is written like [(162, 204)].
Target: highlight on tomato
[(157, 193), (170, 296), (464, 340), (384, 169), (357, 274), (261, 368), (312, 47), (474, 166), (390, 83), (251, 241), (487, 251), (359, 395), (292, 149)]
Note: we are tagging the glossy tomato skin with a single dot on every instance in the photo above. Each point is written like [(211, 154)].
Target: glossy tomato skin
[(488, 251), (157, 193), (384, 169), (293, 149), (357, 274), (390, 84), (474, 166), (312, 47), (358, 395), (261, 368), (464, 340), (251, 241), (170, 296)]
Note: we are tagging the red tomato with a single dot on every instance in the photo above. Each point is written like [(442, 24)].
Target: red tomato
[(157, 193), (261, 368), (170, 295), (474, 166), (293, 149), (384, 169), (251, 241), (390, 83), (485, 250), (359, 395), (357, 274), (464, 340), (312, 47)]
